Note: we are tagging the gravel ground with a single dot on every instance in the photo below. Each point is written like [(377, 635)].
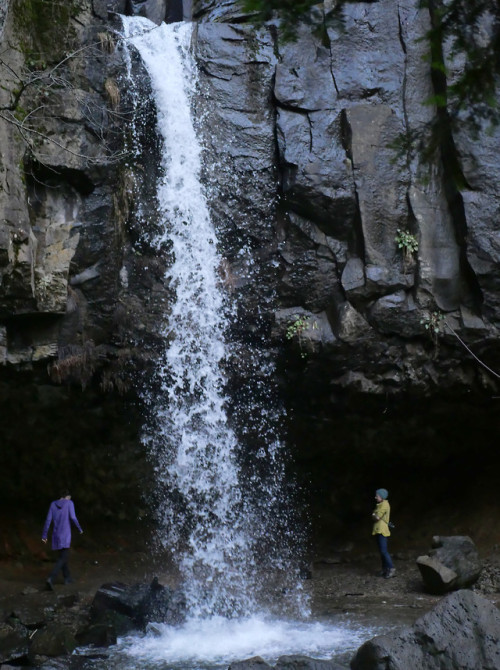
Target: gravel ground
[(341, 586)]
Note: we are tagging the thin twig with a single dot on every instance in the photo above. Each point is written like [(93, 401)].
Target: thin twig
[(471, 352), (26, 129)]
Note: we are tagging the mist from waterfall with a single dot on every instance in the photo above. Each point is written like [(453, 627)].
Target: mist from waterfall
[(217, 518)]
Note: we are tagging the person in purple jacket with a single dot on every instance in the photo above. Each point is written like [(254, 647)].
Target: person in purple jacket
[(61, 514)]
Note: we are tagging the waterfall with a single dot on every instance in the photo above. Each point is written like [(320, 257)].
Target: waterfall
[(215, 529)]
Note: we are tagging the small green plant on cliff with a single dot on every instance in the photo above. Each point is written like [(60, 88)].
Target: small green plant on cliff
[(43, 286), (407, 242), (298, 327), (433, 324)]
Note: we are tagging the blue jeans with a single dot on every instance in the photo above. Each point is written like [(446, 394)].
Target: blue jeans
[(384, 554), (61, 564)]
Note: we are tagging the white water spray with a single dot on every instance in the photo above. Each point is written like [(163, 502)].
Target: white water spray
[(206, 518), (217, 515)]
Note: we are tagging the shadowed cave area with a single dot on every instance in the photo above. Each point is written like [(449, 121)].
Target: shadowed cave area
[(436, 455)]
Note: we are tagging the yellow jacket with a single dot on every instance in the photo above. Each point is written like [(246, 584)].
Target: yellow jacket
[(383, 511)]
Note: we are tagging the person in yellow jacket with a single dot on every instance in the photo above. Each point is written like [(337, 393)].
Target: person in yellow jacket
[(381, 516)]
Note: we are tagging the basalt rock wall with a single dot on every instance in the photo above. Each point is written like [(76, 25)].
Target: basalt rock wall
[(76, 292), (309, 132), (309, 182), (375, 342)]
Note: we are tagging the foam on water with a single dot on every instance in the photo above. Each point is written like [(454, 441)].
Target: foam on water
[(217, 642)]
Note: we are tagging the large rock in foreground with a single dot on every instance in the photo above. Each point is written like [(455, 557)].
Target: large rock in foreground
[(123, 607), (452, 564), (293, 662), (461, 633)]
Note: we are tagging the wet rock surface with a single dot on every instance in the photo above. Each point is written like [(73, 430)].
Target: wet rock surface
[(287, 663), (139, 603), (305, 663), (307, 201), (461, 633), (344, 195), (344, 587), (452, 564), (307, 196)]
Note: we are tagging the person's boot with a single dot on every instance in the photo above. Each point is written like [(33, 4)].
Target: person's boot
[(48, 584), (68, 580), (391, 573)]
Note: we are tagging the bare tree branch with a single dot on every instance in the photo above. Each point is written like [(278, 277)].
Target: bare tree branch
[(48, 81), (26, 131)]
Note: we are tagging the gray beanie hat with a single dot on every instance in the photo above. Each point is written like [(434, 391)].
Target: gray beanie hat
[(383, 493)]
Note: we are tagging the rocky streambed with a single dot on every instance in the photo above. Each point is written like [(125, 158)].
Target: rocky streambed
[(41, 628)]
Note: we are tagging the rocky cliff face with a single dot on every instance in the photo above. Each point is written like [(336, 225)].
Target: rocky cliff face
[(309, 197), (315, 123), (317, 191), (73, 289)]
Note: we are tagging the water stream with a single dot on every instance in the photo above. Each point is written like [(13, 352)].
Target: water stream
[(241, 583), (215, 643)]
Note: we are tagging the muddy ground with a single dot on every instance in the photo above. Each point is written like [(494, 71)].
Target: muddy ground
[(343, 583)]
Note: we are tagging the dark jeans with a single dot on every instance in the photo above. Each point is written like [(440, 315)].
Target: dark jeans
[(384, 554), (61, 564)]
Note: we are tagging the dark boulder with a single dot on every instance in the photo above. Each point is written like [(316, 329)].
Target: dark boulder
[(297, 662), (292, 662), (13, 642), (254, 663), (461, 633), (98, 635), (136, 605), (115, 622), (452, 564), (117, 597), (54, 640), (162, 603)]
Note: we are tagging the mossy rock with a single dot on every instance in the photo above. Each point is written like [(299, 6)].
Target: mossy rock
[(45, 29)]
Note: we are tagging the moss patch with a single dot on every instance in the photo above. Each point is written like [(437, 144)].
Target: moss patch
[(45, 29)]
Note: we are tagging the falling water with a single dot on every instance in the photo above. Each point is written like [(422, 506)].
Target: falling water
[(222, 514), (206, 517)]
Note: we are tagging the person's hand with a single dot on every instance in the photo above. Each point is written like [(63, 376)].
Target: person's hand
[(44, 541)]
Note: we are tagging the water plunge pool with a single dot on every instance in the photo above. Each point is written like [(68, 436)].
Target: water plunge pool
[(216, 642)]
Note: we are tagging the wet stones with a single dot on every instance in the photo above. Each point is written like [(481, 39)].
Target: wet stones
[(452, 564), (297, 662), (14, 642), (292, 662), (254, 663), (125, 607), (461, 633), (53, 640)]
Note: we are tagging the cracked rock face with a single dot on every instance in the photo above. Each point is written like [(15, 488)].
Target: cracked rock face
[(309, 198), (460, 632), (68, 272), (335, 108), (307, 191)]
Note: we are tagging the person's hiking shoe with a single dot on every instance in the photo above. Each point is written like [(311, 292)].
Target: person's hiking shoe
[(391, 573), (48, 584), (69, 580)]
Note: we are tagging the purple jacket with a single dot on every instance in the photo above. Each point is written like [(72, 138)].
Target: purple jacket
[(61, 513)]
